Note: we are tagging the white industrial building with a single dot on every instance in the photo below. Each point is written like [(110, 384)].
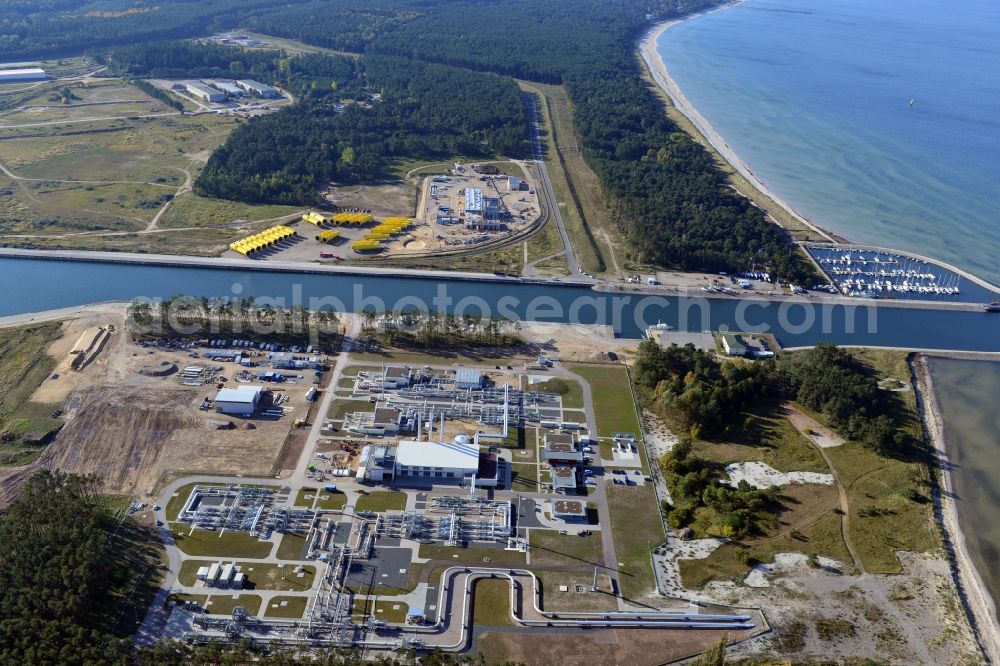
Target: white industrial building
[(258, 88), (241, 401), (473, 201), (438, 462), (25, 74), (230, 89), (397, 377), (201, 91), (467, 378), (513, 183)]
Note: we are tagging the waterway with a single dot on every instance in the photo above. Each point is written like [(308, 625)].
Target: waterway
[(966, 393), (814, 95), (35, 285)]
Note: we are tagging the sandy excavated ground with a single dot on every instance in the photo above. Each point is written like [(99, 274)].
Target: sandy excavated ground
[(132, 429), (762, 475)]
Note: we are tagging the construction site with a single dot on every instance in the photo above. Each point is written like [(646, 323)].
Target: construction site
[(133, 414), (462, 209)]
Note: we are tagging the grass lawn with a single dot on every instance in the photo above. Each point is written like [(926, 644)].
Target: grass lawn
[(386, 609), (548, 547), (202, 543), (553, 599), (291, 546), (381, 501), (290, 607), (636, 528), (612, 394), (224, 603), (570, 390), (25, 426), (305, 497), (458, 555), (340, 408), (334, 501), (266, 576), (524, 477), (491, 605)]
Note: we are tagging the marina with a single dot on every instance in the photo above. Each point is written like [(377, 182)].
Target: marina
[(878, 273)]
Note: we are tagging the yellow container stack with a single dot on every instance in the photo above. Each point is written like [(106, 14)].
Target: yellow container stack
[(328, 235), (265, 239)]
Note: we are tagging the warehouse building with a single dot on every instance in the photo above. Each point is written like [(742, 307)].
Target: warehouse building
[(397, 377), (203, 92), (230, 89), (513, 183), (241, 401), (473, 201), (467, 378), (458, 462), (26, 74), (258, 88)]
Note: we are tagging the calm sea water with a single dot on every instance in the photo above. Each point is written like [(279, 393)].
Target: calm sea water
[(814, 96), (966, 392)]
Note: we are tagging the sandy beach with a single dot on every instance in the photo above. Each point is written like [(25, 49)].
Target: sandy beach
[(658, 70), (971, 588)]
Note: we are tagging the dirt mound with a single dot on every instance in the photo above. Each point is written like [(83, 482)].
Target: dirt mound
[(164, 369), (414, 245)]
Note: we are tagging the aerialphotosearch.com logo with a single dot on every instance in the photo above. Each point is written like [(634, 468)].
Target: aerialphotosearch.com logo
[(629, 314)]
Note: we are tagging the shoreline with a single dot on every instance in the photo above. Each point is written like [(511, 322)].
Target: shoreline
[(658, 70), (972, 590)]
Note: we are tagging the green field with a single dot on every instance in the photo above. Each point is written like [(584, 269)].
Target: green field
[(25, 426), (636, 529), (190, 210), (381, 501), (492, 603), (458, 555), (224, 603), (548, 547), (612, 395), (291, 546), (386, 609), (294, 606), (202, 543)]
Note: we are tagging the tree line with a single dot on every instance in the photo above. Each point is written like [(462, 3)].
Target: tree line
[(421, 111), (711, 398)]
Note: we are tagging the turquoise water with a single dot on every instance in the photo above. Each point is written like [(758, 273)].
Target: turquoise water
[(814, 96), (966, 392)]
